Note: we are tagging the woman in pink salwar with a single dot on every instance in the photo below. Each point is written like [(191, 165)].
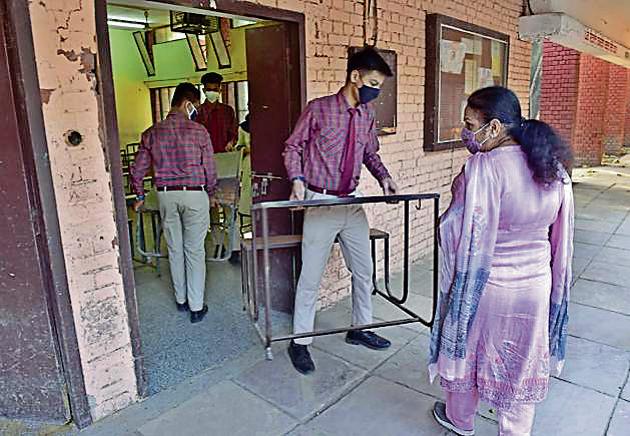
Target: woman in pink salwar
[(506, 244)]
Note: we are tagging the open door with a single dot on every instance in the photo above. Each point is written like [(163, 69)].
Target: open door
[(32, 382), (275, 103)]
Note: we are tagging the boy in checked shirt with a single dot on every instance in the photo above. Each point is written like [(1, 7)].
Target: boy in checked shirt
[(333, 138)]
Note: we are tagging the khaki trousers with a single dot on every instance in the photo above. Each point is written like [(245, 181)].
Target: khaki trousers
[(321, 226), (185, 220)]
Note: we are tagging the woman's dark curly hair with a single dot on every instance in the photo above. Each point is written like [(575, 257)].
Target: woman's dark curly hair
[(547, 154)]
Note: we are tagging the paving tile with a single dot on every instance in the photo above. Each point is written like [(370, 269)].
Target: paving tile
[(362, 356), (420, 282), (578, 266), (409, 368), (619, 241), (585, 251), (589, 237), (602, 295), (624, 229), (596, 366), (607, 272), (571, 410), (600, 326), (419, 304), (625, 394), (595, 225), (620, 423), (299, 395), (216, 413), (379, 407), (614, 256), (597, 213)]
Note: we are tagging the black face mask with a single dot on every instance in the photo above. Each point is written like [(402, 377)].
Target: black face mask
[(368, 93)]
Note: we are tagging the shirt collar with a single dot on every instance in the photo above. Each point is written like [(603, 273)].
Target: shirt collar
[(174, 115), (344, 106)]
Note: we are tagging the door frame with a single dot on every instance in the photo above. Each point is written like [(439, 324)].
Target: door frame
[(112, 144), (43, 204)]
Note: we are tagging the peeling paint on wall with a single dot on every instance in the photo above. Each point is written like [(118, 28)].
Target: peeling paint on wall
[(65, 52)]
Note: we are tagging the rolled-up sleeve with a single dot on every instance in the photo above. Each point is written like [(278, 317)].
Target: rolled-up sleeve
[(371, 158), (142, 163), (297, 142)]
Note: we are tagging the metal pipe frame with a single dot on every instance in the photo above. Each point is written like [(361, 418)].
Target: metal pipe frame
[(250, 289)]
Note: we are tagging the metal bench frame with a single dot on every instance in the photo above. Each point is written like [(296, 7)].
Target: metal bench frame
[(266, 243)]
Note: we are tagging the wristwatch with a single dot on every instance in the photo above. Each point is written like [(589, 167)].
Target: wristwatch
[(301, 178), (140, 197)]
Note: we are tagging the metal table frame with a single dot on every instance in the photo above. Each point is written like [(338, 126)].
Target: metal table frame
[(251, 299)]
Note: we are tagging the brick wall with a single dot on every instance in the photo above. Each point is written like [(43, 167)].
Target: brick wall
[(626, 139), (616, 106), (64, 42), (591, 107), (559, 88), (586, 100), (65, 47)]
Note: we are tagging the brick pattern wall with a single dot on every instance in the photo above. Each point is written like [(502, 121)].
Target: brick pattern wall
[(64, 37), (626, 136), (591, 106), (65, 47), (559, 88), (587, 101), (615, 113)]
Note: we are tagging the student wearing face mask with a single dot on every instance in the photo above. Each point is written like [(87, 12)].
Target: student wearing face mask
[(180, 152), (218, 118), (506, 243), (333, 138)]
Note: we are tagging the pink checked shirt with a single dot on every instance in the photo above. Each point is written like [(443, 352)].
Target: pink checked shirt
[(315, 148), (180, 152)]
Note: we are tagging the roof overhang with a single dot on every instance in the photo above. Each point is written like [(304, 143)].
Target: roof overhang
[(569, 32)]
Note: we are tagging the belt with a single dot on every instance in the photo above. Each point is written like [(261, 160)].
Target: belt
[(328, 191), (180, 188)]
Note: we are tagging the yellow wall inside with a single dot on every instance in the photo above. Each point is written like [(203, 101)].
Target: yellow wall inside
[(173, 65), (133, 104)]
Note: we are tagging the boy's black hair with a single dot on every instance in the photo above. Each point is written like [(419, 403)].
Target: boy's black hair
[(211, 78), (185, 91), (367, 59)]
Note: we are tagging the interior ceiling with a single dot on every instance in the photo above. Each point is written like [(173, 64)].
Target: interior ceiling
[(609, 17), (155, 17), (158, 12)]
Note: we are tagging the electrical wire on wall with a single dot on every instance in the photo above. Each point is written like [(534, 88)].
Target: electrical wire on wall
[(370, 11)]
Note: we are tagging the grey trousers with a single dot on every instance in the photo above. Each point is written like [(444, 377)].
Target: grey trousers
[(185, 220), (321, 226)]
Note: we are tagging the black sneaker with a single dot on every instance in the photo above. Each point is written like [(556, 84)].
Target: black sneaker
[(367, 339), (198, 316), (301, 358), (439, 413), (182, 307), (235, 258)]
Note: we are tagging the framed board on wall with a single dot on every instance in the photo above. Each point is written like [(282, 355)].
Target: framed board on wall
[(386, 105), (461, 58)]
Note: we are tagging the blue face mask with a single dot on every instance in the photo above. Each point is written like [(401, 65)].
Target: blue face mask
[(192, 111), (368, 93)]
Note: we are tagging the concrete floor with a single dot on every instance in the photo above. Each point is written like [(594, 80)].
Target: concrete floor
[(356, 391)]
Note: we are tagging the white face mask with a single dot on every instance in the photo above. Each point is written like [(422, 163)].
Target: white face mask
[(212, 96)]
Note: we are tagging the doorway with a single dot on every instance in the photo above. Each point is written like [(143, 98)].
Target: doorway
[(260, 54)]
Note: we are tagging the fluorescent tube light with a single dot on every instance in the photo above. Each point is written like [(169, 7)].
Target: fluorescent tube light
[(126, 24)]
